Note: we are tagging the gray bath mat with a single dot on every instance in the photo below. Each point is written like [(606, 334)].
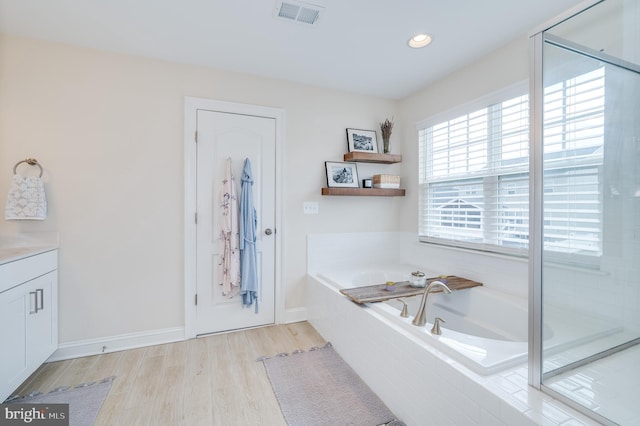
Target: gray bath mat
[(317, 388), (84, 400)]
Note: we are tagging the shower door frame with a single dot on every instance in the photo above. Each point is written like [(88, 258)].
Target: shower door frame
[(536, 90)]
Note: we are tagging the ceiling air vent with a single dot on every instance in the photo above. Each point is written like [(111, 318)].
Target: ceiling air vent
[(295, 11)]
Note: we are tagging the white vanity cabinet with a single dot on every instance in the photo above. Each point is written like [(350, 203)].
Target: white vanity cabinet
[(28, 317)]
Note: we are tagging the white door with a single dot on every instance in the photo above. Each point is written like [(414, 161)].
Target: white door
[(223, 135)]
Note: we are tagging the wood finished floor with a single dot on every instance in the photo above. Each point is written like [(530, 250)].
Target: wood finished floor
[(213, 380)]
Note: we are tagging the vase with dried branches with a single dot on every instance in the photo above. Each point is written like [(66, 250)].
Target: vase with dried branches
[(386, 128)]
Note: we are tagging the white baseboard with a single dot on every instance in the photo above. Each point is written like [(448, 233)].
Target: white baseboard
[(120, 342), (123, 342), (295, 315)]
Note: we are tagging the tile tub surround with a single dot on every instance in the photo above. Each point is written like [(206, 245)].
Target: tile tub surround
[(326, 251), (617, 396), (417, 381)]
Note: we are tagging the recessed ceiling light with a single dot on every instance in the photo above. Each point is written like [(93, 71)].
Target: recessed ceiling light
[(419, 40)]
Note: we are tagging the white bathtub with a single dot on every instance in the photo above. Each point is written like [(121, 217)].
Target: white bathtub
[(423, 378), (485, 330)]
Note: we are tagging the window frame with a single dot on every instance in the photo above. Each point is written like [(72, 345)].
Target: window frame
[(490, 182), (493, 98)]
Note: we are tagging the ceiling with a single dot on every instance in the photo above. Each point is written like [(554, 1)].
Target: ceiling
[(357, 45)]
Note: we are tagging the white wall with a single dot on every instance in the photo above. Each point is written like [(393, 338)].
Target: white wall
[(580, 290), (108, 130), (372, 249), (501, 68)]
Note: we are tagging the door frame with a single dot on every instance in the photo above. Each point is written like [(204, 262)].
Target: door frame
[(192, 105)]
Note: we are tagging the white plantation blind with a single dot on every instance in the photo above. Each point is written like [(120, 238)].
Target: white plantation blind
[(573, 158), (574, 117), (474, 172), (492, 139), (572, 211), (474, 182)]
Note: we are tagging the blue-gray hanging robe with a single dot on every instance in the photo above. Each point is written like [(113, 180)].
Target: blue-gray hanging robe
[(248, 223)]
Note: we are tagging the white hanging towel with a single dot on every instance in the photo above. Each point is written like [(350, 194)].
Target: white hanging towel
[(26, 200), (229, 270)]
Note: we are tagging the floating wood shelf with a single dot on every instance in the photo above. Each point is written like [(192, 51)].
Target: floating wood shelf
[(372, 192), (367, 157)]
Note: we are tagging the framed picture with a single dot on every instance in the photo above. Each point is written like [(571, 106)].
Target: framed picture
[(362, 140), (341, 175)]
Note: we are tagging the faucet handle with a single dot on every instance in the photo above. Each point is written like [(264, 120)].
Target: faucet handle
[(404, 313), (436, 326)]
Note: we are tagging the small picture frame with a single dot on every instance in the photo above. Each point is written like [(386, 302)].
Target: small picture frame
[(367, 183), (341, 175), (362, 141)]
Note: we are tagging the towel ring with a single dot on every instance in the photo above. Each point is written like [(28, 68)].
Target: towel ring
[(29, 161)]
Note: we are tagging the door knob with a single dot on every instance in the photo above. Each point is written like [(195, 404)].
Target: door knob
[(268, 231)]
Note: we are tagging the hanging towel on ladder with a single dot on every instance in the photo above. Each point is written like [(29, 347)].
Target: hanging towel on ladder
[(26, 199), (229, 235), (248, 223)]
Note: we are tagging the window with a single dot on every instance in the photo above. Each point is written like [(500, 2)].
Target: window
[(573, 159), (474, 171), (474, 177)]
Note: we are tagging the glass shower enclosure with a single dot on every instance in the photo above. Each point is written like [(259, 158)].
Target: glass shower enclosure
[(585, 245)]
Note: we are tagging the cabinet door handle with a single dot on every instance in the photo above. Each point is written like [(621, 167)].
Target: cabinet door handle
[(40, 307), (33, 303)]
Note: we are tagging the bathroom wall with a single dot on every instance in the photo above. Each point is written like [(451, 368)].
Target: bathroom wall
[(328, 251), (503, 67), (581, 289), (108, 129)]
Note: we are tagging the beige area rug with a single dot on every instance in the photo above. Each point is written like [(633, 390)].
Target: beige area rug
[(318, 388), (84, 400)]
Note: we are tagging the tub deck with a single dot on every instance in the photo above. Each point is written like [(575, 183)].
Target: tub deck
[(379, 293)]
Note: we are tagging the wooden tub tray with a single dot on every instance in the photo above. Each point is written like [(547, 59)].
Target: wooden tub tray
[(379, 293)]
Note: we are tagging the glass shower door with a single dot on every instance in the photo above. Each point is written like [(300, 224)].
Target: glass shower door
[(590, 244)]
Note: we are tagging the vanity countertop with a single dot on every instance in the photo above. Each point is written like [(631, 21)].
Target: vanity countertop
[(19, 246), (11, 254)]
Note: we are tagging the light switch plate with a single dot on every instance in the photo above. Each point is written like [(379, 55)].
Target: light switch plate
[(310, 207)]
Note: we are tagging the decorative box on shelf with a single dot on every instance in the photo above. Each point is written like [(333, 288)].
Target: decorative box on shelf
[(386, 181)]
